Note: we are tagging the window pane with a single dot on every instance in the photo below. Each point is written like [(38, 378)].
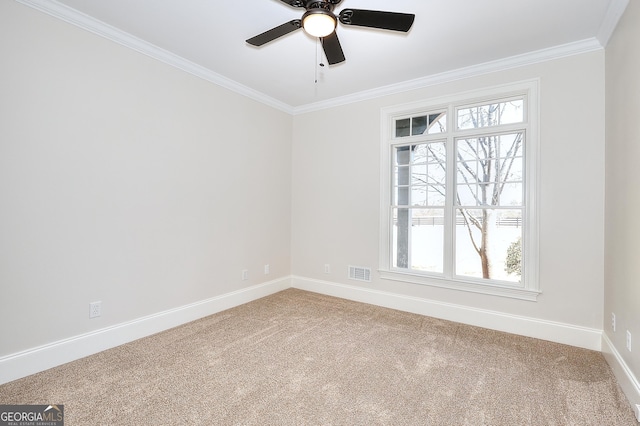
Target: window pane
[(468, 172), (512, 173), (498, 255), (436, 174), (435, 196), (401, 175), (511, 195), (403, 127), (511, 145), (487, 194), (403, 155), (467, 149), (418, 125), (437, 123), (420, 153), (419, 174), (401, 196), (491, 114), (512, 112), (437, 152), (433, 152), (467, 195), (419, 196), (423, 231)]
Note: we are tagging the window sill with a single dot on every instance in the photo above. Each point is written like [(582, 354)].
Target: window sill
[(470, 286)]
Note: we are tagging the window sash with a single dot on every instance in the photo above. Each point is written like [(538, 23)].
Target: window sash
[(489, 113)]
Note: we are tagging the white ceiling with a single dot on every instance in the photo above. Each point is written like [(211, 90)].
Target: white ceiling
[(207, 37)]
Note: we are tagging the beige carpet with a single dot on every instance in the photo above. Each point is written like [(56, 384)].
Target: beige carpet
[(299, 358)]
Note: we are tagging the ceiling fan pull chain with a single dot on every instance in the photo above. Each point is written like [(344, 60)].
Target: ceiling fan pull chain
[(319, 53), (315, 66), (319, 62)]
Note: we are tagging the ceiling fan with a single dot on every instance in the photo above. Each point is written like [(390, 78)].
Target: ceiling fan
[(320, 21)]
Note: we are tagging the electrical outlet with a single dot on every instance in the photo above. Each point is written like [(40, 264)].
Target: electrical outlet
[(629, 340), (266, 269), (327, 268), (613, 321), (245, 274), (95, 309)]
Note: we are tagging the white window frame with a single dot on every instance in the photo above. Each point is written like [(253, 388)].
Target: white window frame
[(528, 288)]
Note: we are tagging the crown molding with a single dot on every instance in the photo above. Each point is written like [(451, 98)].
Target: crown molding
[(86, 22), (610, 21), (556, 52)]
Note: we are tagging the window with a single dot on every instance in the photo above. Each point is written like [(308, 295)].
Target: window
[(459, 192)]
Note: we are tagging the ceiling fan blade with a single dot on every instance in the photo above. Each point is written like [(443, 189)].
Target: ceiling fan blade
[(377, 19), (332, 48), (274, 33), (293, 3)]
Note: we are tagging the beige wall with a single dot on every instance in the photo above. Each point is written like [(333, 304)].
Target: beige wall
[(128, 181), (622, 235), (336, 192)]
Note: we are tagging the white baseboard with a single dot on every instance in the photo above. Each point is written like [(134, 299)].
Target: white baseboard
[(22, 364), (41, 358), (628, 382), (583, 337)]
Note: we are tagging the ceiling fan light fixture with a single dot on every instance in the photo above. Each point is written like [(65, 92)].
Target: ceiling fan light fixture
[(319, 22)]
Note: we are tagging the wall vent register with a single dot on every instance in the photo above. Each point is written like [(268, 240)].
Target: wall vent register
[(359, 273)]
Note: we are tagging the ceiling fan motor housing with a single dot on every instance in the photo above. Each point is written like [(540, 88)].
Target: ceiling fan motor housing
[(319, 4)]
